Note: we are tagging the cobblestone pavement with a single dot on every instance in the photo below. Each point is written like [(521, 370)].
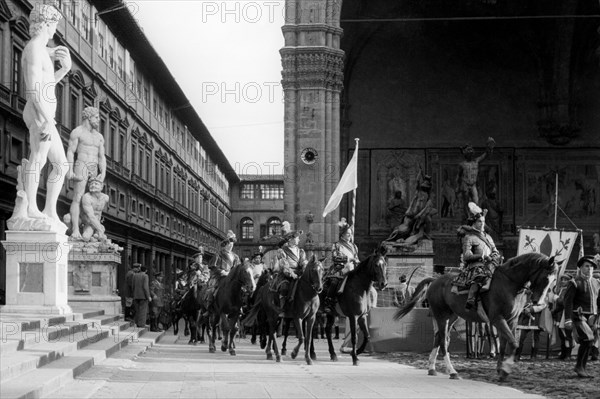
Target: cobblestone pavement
[(173, 369)]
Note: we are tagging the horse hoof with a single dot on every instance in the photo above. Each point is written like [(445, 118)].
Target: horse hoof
[(283, 352), (308, 361), (431, 372), (278, 359), (253, 341), (355, 362), (313, 356), (269, 357), (454, 376), (503, 376), (232, 352), (223, 348), (294, 354), (334, 358), (212, 350), (202, 341)]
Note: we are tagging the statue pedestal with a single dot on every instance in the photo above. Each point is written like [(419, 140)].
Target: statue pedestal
[(93, 277), (36, 272), (410, 260)]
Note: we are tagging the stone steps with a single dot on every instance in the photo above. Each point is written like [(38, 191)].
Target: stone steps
[(39, 356)]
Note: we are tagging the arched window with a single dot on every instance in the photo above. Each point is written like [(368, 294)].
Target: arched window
[(274, 226), (247, 229)]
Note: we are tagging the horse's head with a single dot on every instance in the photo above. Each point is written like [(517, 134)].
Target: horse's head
[(542, 276), (244, 274), (378, 266), (314, 273)]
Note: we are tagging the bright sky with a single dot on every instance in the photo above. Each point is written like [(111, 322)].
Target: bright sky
[(225, 56)]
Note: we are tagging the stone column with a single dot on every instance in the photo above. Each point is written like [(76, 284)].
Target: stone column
[(312, 80)]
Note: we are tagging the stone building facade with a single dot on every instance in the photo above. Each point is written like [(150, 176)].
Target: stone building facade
[(416, 81), (168, 181)]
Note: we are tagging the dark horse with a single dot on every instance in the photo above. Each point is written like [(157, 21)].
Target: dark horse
[(303, 309), (191, 306), (354, 301), (502, 304), (227, 306)]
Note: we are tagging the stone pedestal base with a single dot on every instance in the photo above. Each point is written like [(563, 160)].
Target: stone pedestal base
[(415, 260), (93, 279), (36, 272)]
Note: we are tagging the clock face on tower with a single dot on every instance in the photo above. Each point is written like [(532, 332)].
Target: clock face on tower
[(309, 155)]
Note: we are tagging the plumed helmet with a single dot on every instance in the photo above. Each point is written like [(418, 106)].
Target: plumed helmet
[(475, 212), (230, 238), (287, 233)]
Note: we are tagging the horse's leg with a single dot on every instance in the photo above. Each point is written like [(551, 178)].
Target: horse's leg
[(328, 326), (362, 323), (192, 326), (254, 328), (212, 328), (299, 335), (446, 345), (175, 321), (270, 340), (494, 338), (353, 338), (186, 329), (438, 325), (285, 331), (308, 343), (233, 329), (224, 332), (511, 345)]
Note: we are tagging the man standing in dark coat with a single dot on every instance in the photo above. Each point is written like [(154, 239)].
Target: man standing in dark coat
[(581, 310), (141, 297)]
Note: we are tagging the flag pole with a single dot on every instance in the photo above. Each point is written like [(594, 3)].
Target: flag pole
[(353, 214), (555, 199)]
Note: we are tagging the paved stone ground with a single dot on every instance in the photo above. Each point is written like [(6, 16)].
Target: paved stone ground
[(173, 369)]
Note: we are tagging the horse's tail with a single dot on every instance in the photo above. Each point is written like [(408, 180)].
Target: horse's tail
[(417, 297)]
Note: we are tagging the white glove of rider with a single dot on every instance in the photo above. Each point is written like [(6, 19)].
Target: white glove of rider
[(224, 273), (293, 275)]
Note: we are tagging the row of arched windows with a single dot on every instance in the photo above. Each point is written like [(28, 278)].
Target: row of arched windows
[(272, 228)]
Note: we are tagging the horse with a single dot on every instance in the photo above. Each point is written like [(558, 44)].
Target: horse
[(176, 314), (191, 306), (354, 302), (227, 306), (502, 304)]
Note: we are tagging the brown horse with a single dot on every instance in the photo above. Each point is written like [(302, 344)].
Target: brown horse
[(227, 306), (354, 301), (502, 304)]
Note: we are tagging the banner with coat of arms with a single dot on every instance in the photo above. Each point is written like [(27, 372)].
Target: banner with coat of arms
[(555, 243)]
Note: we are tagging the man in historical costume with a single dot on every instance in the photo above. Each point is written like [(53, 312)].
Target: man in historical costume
[(565, 336), (88, 144), (479, 254), (344, 254), (257, 264), (157, 292), (582, 304), (468, 170), (292, 261), (219, 267), (141, 296), (40, 80), (529, 321)]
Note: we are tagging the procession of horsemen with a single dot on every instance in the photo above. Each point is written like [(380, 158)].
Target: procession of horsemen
[(227, 296)]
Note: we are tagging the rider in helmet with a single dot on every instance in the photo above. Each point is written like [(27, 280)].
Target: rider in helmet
[(479, 253), (292, 261), (219, 267)]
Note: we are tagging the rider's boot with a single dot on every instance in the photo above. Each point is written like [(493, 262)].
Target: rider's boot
[(471, 300)]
